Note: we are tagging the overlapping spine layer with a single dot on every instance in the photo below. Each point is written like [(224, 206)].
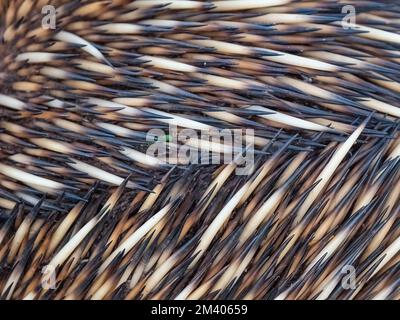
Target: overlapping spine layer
[(87, 213)]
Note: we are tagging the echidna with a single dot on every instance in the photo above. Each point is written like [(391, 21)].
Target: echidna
[(87, 213)]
